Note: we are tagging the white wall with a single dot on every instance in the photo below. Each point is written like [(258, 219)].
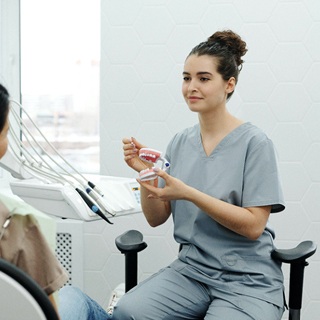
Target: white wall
[(144, 44)]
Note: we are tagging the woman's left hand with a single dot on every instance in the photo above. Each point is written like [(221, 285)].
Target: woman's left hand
[(174, 188)]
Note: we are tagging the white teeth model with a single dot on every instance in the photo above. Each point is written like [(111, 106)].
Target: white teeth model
[(151, 156)]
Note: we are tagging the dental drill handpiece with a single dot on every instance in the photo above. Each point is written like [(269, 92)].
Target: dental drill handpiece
[(92, 206)]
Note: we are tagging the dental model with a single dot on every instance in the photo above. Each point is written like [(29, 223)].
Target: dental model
[(154, 157)]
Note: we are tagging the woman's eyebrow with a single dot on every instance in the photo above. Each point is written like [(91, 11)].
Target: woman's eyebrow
[(198, 73)]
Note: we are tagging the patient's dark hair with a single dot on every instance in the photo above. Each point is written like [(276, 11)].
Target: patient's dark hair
[(4, 106), (228, 48)]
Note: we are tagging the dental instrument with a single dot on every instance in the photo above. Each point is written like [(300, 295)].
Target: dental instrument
[(46, 180)]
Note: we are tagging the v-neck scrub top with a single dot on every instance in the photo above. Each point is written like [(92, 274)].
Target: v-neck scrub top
[(242, 170)]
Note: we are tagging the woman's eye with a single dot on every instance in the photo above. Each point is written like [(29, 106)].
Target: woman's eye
[(204, 79), (186, 78)]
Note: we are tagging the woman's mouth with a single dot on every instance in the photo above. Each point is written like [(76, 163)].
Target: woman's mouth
[(194, 99)]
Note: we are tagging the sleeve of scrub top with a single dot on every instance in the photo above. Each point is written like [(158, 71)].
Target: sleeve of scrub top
[(262, 184)]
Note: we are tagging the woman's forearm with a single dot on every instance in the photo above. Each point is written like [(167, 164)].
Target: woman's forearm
[(156, 211), (249, 222)]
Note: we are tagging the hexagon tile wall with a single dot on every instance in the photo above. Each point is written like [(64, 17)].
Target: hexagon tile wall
[(144, 44)]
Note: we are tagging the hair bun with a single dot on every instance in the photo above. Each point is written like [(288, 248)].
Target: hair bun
[(232, 41)]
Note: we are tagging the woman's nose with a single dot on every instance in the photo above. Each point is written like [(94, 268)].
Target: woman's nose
[(192, 86)]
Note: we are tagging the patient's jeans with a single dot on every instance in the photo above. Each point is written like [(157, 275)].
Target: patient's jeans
[(76, 305)]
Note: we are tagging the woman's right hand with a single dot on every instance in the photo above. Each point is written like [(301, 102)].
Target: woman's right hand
[(131, 149)]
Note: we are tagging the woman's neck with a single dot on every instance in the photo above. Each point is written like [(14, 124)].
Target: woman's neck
[(214, 127), (218, 122)]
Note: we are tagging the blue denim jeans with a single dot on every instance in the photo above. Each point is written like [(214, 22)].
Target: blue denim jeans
[(76, 305)]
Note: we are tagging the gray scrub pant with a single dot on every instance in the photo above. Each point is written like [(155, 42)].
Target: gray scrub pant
[(169, 295)]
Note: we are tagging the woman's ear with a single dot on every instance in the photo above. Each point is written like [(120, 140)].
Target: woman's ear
[(231, 84)]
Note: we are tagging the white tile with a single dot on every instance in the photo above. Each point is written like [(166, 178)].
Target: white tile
[(115, 121), (186, 11), (313, 279), (154, 64), (311, 162), (289, 102), (295, 181), (260, 43), (183, 39), (114, 270), (314, 9), (154, 102), (255, 11), (121, 13), (312, 310), (311, 202), (311, 122), (159, 24), (312, 233), (220, 16), (291, 140), (96, 252), (311, 82), (256, 82), (122, 83), (124, 51), (259, 114), (290, 21), (286, 230), (290, 62), (311, 41)]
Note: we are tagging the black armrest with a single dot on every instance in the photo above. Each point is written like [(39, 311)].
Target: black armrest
[(296, 257), (130, 243), (300, 253)]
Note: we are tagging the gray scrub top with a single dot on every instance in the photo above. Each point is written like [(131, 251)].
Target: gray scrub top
[(241, 170)]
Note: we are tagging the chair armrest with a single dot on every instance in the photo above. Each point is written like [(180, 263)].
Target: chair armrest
[(300, 253), (296, 257), (130, 241)]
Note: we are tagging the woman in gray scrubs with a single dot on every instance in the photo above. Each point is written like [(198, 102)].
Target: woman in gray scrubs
[(220, 189)]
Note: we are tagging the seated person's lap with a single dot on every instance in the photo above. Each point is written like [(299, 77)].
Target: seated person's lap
[(169, 295)]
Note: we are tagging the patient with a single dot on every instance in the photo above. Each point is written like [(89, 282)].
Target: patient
[(21, 242), (23, 245)]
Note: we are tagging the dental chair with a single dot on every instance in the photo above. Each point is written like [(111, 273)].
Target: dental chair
[(21, 297), (131, 242)]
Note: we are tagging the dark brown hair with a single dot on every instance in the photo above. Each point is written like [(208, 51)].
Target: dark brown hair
[(4, 106), (228, 48)]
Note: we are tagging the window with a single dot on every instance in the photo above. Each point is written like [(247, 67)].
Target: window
[(60, 63)]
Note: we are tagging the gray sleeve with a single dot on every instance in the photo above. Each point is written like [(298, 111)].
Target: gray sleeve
[(261, 184)]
